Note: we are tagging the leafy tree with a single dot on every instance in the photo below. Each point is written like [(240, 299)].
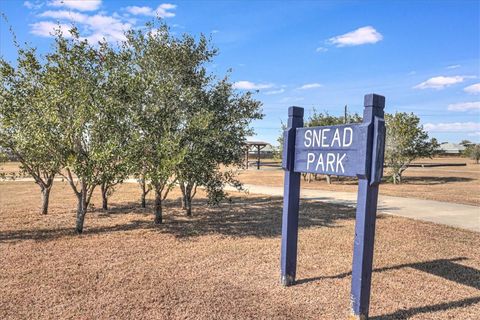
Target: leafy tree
[(405, 141), (76, 83), (465, 142), (158, 80), (326, 119), (114, 118), (219, 125), (28, 127), (473, 151)]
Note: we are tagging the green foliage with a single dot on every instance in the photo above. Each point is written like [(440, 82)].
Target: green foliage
[(326, 119), (147, 107), (406, 141), (218, 122), (28, 123)]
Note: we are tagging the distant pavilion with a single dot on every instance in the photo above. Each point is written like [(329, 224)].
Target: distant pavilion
[(254, 145)]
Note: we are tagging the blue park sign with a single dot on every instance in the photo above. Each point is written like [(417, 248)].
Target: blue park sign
[(353, 150)]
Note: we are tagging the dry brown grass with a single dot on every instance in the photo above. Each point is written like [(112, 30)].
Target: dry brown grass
[(223, 263), (450, 184)]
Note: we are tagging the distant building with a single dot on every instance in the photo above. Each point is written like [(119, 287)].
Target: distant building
[(451, 148)]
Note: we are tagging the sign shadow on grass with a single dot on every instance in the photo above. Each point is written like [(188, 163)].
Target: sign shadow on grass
[(448, 269)]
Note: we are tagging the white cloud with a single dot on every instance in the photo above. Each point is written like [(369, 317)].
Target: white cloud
[(81, 5), (98, 26), (464, 106), (454, 66), (162, 11), (310, 86), (291, 99), (321, 49), (440, 82), (47, 28), (452, 127), (247, 85), (65, 15), (275, 91), (146, 11), (32, 5), (473, 89), (357, 37)]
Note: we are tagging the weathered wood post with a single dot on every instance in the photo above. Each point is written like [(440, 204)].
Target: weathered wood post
[(291, 199), (351, 150), (373, 117)]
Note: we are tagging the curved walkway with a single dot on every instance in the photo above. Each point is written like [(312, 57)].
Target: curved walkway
[(452, 214)]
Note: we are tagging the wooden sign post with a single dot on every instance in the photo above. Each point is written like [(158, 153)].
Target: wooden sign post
[(352, 150)]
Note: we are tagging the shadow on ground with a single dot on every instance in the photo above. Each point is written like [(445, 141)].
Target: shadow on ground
[(413, 180), (241, 217), (448, 269)]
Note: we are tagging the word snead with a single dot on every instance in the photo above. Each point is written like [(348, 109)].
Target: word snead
[(353, 150), (329, 150)]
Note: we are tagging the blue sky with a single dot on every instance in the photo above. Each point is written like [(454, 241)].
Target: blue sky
[(424, 56)]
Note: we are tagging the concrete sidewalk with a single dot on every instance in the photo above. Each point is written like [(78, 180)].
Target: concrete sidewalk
[(452, 214)]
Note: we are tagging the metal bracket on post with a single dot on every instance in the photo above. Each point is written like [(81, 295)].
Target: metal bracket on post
[(291, 199)]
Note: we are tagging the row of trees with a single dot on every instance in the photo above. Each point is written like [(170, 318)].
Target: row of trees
[(405, 139), (144, 108)]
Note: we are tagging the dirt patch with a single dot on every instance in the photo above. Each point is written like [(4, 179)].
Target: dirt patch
[(223, 263), (449, 184)]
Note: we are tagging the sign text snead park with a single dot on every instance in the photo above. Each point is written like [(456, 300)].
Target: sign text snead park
[(352, 150)]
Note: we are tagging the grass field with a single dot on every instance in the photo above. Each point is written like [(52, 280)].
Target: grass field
[(450, 184), (223, 263)]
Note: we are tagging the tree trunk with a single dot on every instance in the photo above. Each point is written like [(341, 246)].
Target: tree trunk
[(329, 179), (158, 206), (145, 191), (188, 194), (184, 196), (45, 198), (81, 211), (189, 207), (104, 196)]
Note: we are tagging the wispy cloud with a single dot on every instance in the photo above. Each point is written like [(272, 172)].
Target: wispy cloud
[(321, 49), (162, 11), (452, 127), (310, 86), (440, 82), (473, 89), (453, 66), (275, 91), (81, 5), (32, 5), (464, 106), (291, 99), (48, 28), (65, 15), (247, 85), (357, 37)]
